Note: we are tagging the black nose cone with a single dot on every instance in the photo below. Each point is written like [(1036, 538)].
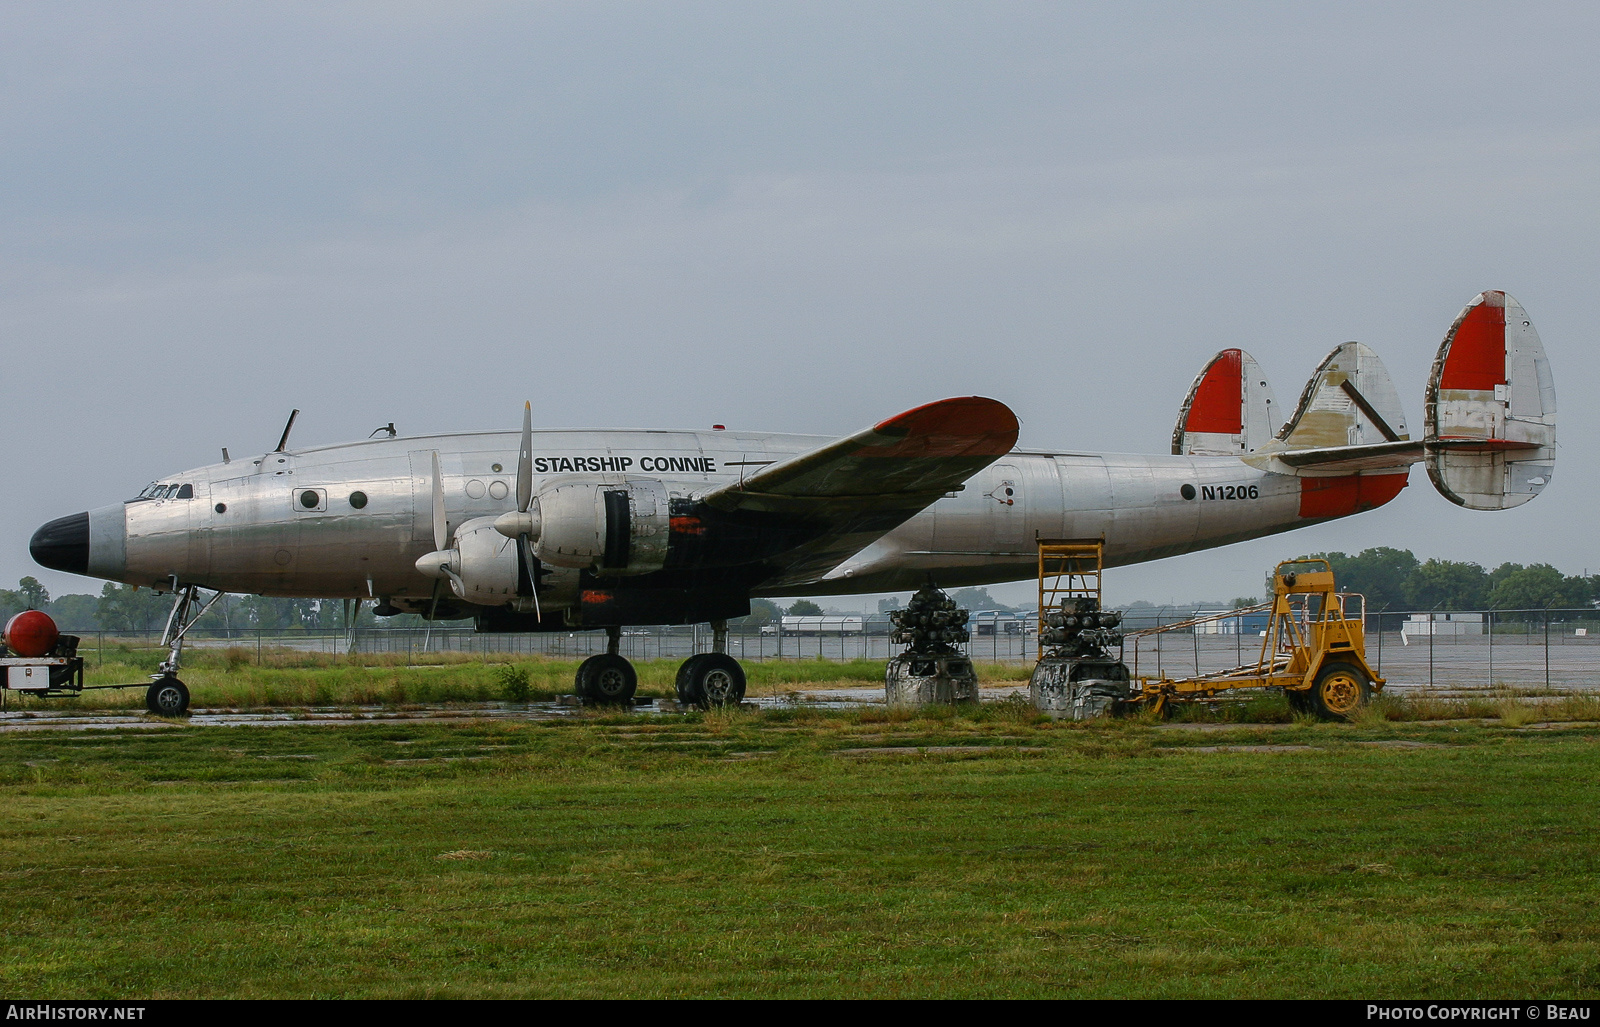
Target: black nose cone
[(63, 544)]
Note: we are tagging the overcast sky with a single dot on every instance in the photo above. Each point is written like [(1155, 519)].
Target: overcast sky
[(797, 217)]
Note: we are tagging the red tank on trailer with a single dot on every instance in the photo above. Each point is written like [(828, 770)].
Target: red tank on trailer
[(31, 633)]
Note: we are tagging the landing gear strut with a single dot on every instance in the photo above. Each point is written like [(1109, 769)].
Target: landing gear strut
[(167, 696)]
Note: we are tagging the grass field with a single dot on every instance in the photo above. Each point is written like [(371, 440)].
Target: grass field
[(782, 853), (230, 677)]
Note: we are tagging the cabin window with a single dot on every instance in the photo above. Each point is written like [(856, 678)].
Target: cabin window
[(310, 500), (186, 491), (358, 499)]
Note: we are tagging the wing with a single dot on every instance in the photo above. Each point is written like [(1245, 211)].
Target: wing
[(859, 488)]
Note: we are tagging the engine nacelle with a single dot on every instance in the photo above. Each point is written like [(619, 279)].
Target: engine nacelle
[(486, 571), (620, 527)]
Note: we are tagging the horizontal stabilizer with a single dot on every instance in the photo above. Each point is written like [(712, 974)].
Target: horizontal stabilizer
[(1350, 459), (1491, 408), (1230, 409)]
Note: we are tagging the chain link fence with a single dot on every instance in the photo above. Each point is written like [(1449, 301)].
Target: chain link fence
[(1472, 650)]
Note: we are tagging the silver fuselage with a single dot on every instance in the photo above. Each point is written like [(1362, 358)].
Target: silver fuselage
[(248, 529)]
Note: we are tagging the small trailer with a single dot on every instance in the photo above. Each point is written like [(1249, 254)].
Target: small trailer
[(1314, 649), (38, 660)]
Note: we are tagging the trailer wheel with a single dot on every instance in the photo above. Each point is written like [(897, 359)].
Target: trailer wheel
[(1341, 690), (168, 697)]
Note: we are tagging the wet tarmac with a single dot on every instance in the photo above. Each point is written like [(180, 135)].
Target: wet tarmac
[(40, 718)]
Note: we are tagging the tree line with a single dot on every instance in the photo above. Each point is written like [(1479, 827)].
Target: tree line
[(1391, 579), (126, 608), (1395, 579)]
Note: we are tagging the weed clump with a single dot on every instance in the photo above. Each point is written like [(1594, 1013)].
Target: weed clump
[(514, 682)]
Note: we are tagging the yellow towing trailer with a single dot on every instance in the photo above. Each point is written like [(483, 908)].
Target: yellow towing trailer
[(1314, 649)]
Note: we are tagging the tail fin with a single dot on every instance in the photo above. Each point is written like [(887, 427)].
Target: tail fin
[(1349, 401), (1230, 409), (1491, 408)]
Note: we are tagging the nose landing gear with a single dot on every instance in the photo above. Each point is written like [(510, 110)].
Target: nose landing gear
[(167, 696)]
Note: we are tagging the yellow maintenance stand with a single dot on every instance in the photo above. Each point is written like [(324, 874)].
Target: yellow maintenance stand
[(1314, 648)]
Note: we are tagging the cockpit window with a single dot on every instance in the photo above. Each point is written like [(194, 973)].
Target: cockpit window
[(161, 490)]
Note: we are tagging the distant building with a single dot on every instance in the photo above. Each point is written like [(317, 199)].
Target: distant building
[(1239, 624), (1425, 624), (828, 624)]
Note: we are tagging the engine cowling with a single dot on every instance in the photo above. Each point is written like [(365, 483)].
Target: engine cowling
[(485, 564), (620, 527)]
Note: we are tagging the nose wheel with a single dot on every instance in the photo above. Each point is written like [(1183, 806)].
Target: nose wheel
[(167, 697)]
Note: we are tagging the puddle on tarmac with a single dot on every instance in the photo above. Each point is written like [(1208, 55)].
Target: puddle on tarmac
[(45, 719)]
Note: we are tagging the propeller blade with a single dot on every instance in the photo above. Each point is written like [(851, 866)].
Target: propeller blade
[(526, 549), (525, 500), (525, 460), (433, 607), (441, 527)]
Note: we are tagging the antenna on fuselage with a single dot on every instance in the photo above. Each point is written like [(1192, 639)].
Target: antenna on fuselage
[(284, 441)]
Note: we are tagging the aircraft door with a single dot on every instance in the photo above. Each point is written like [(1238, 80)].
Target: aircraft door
[(422, 495), (202, 521), (1007, 509)]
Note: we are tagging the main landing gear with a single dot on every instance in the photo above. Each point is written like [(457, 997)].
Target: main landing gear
[(704, 680)]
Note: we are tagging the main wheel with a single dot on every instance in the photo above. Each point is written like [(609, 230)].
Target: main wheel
[(719, 680), (168, 697), (607, 678), (711, 679), (687, 683), (1341, 690)]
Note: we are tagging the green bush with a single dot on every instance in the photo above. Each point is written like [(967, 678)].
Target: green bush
[(514, 682)]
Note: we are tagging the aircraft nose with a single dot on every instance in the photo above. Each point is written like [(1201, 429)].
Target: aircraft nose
[(63, 544)]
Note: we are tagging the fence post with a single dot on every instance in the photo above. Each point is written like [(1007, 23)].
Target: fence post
[(1159, 613), (1432, 627), (1547, 648), (1490, 616), (1380, 638)]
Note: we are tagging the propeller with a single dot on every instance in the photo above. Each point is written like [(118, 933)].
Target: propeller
[(522, 526), (441, 527), (441, 563), (526, 523)]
